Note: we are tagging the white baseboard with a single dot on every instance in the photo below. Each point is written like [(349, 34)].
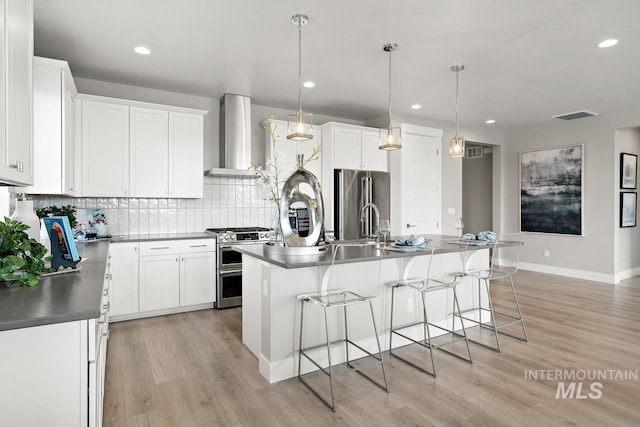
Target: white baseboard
[(569, 272), (626, 274)]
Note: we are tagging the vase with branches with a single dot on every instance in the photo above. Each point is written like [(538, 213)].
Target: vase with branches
[(272, 176)]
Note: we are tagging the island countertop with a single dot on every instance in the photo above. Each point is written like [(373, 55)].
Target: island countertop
[(58, 298), (361, 251)]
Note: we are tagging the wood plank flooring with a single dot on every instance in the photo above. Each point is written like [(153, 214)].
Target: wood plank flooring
[(193, 370)]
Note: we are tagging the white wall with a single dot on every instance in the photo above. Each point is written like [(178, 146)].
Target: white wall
[(627, 246), (590, 256)]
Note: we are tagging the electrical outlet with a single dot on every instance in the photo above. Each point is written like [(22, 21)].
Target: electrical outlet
[(410, 304), (546, 253), (451, 211)]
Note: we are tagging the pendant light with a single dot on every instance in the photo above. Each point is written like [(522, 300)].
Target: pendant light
[(456, 143), (300, 124), (390, 137)]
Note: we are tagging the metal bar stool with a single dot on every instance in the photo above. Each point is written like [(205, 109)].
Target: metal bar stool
[(504, 264), (330, 299), (426, 285)]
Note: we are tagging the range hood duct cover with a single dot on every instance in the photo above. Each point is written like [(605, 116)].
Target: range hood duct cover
[(235, 136)]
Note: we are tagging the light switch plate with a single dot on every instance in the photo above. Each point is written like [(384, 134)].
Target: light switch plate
[(451, 211)]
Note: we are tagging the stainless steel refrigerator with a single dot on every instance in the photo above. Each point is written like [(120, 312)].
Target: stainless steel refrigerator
[(353, 189)]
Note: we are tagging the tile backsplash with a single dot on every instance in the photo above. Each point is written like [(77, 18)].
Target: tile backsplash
[(227, 202)]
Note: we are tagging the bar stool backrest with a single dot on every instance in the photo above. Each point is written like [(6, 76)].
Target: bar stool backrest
[(433, 247), (505, 259), (329, 282)]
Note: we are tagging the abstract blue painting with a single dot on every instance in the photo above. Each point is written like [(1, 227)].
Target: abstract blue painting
[(551, 191)]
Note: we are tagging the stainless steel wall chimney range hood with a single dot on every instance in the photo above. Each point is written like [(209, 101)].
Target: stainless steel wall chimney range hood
[(235, 137)]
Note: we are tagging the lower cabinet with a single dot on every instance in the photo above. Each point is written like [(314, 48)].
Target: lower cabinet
[(60, 367), (161, 277)]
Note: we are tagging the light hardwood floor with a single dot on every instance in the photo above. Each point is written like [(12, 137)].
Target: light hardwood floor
[(193, 370)]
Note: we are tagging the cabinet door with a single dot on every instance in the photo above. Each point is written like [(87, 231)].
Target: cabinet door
[(373, 158), (105, 149), (68, 142), (186, 155), (346, 148), (123, 289), (159, 282), (197, 278), (17, 158), (47, 135), (149, 152)]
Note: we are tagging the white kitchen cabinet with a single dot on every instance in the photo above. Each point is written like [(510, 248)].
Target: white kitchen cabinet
[(123, 260), (197, 276), (156, 151), (54, 93), (174, 276), (289, 149), (354, 147), (159, 281), (105, 149), (60, 367), (16, 51), (186, 154), (149, 152)]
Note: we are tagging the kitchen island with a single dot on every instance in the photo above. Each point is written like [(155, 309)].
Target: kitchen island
[(271, 285)]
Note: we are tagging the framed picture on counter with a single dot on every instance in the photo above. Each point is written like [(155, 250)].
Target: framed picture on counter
[(628, 171), (551, 190), (628, 208)]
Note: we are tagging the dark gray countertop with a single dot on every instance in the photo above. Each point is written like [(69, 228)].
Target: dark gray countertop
[(347, 254), (161, 236), (59, 298)]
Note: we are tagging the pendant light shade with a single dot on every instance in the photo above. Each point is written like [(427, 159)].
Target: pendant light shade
[(390, 137), (300, 124), (456, 143)]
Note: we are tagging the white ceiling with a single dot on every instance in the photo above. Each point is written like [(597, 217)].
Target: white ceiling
[(525, 60)]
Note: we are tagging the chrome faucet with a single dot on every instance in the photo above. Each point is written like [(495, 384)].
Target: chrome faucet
[(377, 211)]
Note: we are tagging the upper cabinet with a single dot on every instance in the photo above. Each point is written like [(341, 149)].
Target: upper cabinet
[(186, 158), (105, 149), (354, 147), (16, 52), (148, 152), (153, 150), (54, 140)]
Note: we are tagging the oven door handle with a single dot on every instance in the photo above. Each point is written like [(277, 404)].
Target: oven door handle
[(221, 272)]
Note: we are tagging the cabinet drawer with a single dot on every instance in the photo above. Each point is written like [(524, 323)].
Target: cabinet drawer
[(161, 247)]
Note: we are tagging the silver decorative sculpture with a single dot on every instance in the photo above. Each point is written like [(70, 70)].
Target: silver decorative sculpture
[(302, 191)]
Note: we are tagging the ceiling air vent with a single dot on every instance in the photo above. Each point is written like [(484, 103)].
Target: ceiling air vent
[(575, 115), (474, 152)]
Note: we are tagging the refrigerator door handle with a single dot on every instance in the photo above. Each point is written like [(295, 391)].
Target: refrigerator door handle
[(341, 206)]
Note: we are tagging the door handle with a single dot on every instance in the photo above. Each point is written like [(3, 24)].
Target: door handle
[(411, 225)]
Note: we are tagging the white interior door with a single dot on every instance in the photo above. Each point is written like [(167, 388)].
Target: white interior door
[(421, 182)]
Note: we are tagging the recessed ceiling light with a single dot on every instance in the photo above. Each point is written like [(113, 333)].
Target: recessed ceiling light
[(309, 84), (490, 121), (142, 50), (416, 106), (608, 43)]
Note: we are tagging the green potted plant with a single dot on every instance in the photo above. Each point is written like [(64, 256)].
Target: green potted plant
[(22, 260), (68, 211)]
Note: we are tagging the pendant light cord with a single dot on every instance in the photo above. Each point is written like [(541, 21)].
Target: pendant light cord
[(390, 50), (299, 65), (457, 73)]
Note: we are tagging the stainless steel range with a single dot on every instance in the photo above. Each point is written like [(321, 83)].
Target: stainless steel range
[(229, 280)]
